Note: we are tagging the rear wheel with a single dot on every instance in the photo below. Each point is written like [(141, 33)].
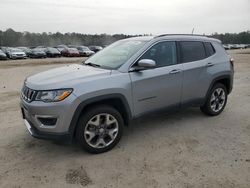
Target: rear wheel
[(216, 100), (99, 129)]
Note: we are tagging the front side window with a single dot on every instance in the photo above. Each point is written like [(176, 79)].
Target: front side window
[(163, 53), (192, 51)]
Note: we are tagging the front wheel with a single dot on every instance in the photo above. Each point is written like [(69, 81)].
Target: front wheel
[(99, 129), (216, 100)]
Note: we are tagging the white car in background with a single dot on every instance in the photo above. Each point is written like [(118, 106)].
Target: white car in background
[(15, 53)]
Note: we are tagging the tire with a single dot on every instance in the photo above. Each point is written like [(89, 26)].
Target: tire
[(94, 134), (216, 100)]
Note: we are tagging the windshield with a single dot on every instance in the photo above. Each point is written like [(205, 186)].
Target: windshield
[(16, 50), (83, 48), (24, 49), (73, 50), (37, 50), (52, 50), (115, 55)]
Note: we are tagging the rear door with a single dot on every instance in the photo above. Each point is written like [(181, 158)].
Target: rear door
[(160, 87), (195, 71)]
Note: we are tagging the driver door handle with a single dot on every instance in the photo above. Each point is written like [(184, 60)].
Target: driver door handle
[(210, 64), (175, 71)]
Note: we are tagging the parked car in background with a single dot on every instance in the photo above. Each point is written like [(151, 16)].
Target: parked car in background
[(70, 52), (61, 47), (85, 51), (52, 52), (238, 46), (26, 50), (15, 53), (95, 48), (226, 46), (3, 56), (235, 46), (242, 46), (4, 49), (42, 49), (37, 53)]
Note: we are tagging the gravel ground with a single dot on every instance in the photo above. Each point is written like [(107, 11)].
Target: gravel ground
[(182, 149)]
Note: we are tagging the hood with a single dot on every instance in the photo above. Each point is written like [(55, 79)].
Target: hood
[(89, 51), (50, 52), (65, 77)]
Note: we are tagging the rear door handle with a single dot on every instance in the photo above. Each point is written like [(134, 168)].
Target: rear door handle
[(210, 65), (175, 71)]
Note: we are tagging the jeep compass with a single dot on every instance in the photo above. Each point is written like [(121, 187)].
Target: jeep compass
[(91, 102)]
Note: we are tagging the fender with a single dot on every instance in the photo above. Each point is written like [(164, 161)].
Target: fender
[(83, 104)]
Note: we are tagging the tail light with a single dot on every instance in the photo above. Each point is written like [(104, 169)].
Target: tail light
[(232, 62)]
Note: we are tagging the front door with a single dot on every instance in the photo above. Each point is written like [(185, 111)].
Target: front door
[(160, 87)]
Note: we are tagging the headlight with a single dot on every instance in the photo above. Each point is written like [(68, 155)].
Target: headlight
[(53, 95)]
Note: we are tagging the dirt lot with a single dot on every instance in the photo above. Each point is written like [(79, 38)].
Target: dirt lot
[(183, 149)]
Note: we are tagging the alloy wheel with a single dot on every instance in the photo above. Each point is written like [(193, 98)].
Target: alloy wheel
[(218, 99), (101, 130)]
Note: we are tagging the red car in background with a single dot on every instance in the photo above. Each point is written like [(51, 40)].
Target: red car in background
[(70, 52)]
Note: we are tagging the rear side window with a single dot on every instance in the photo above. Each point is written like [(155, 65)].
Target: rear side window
[(192, 51), (209, 48)]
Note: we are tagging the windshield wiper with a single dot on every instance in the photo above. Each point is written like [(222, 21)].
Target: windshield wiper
[(92, 64)]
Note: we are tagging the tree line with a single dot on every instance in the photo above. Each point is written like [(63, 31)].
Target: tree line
[(13, 38), (233, 38)]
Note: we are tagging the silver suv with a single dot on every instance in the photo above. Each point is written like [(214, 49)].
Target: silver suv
[(126, 80)]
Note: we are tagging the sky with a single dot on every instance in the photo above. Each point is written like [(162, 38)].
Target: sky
[(126, 16)]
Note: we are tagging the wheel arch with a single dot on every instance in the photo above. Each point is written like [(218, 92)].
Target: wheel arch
[(224, 79), (118, 101)]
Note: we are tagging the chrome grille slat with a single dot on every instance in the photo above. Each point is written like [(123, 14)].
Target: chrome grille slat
[(28, 94)]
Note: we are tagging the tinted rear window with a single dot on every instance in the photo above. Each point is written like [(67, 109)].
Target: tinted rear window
[(209, 48), (192, 51)]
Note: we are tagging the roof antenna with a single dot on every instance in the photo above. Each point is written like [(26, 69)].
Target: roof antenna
[(192, 31)]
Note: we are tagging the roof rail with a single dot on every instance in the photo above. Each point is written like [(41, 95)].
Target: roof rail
[(163, 35)]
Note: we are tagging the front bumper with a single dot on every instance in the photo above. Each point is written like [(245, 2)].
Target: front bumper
[(49, 120), (18, 57), (3, 57), (44, 135)]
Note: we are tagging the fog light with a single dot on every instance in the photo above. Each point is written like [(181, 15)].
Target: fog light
[(47, 121)]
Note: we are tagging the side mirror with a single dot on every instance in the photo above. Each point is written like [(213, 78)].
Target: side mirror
[(146, 63)]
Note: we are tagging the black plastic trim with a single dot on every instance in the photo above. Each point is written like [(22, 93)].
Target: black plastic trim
[(220, 78)]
